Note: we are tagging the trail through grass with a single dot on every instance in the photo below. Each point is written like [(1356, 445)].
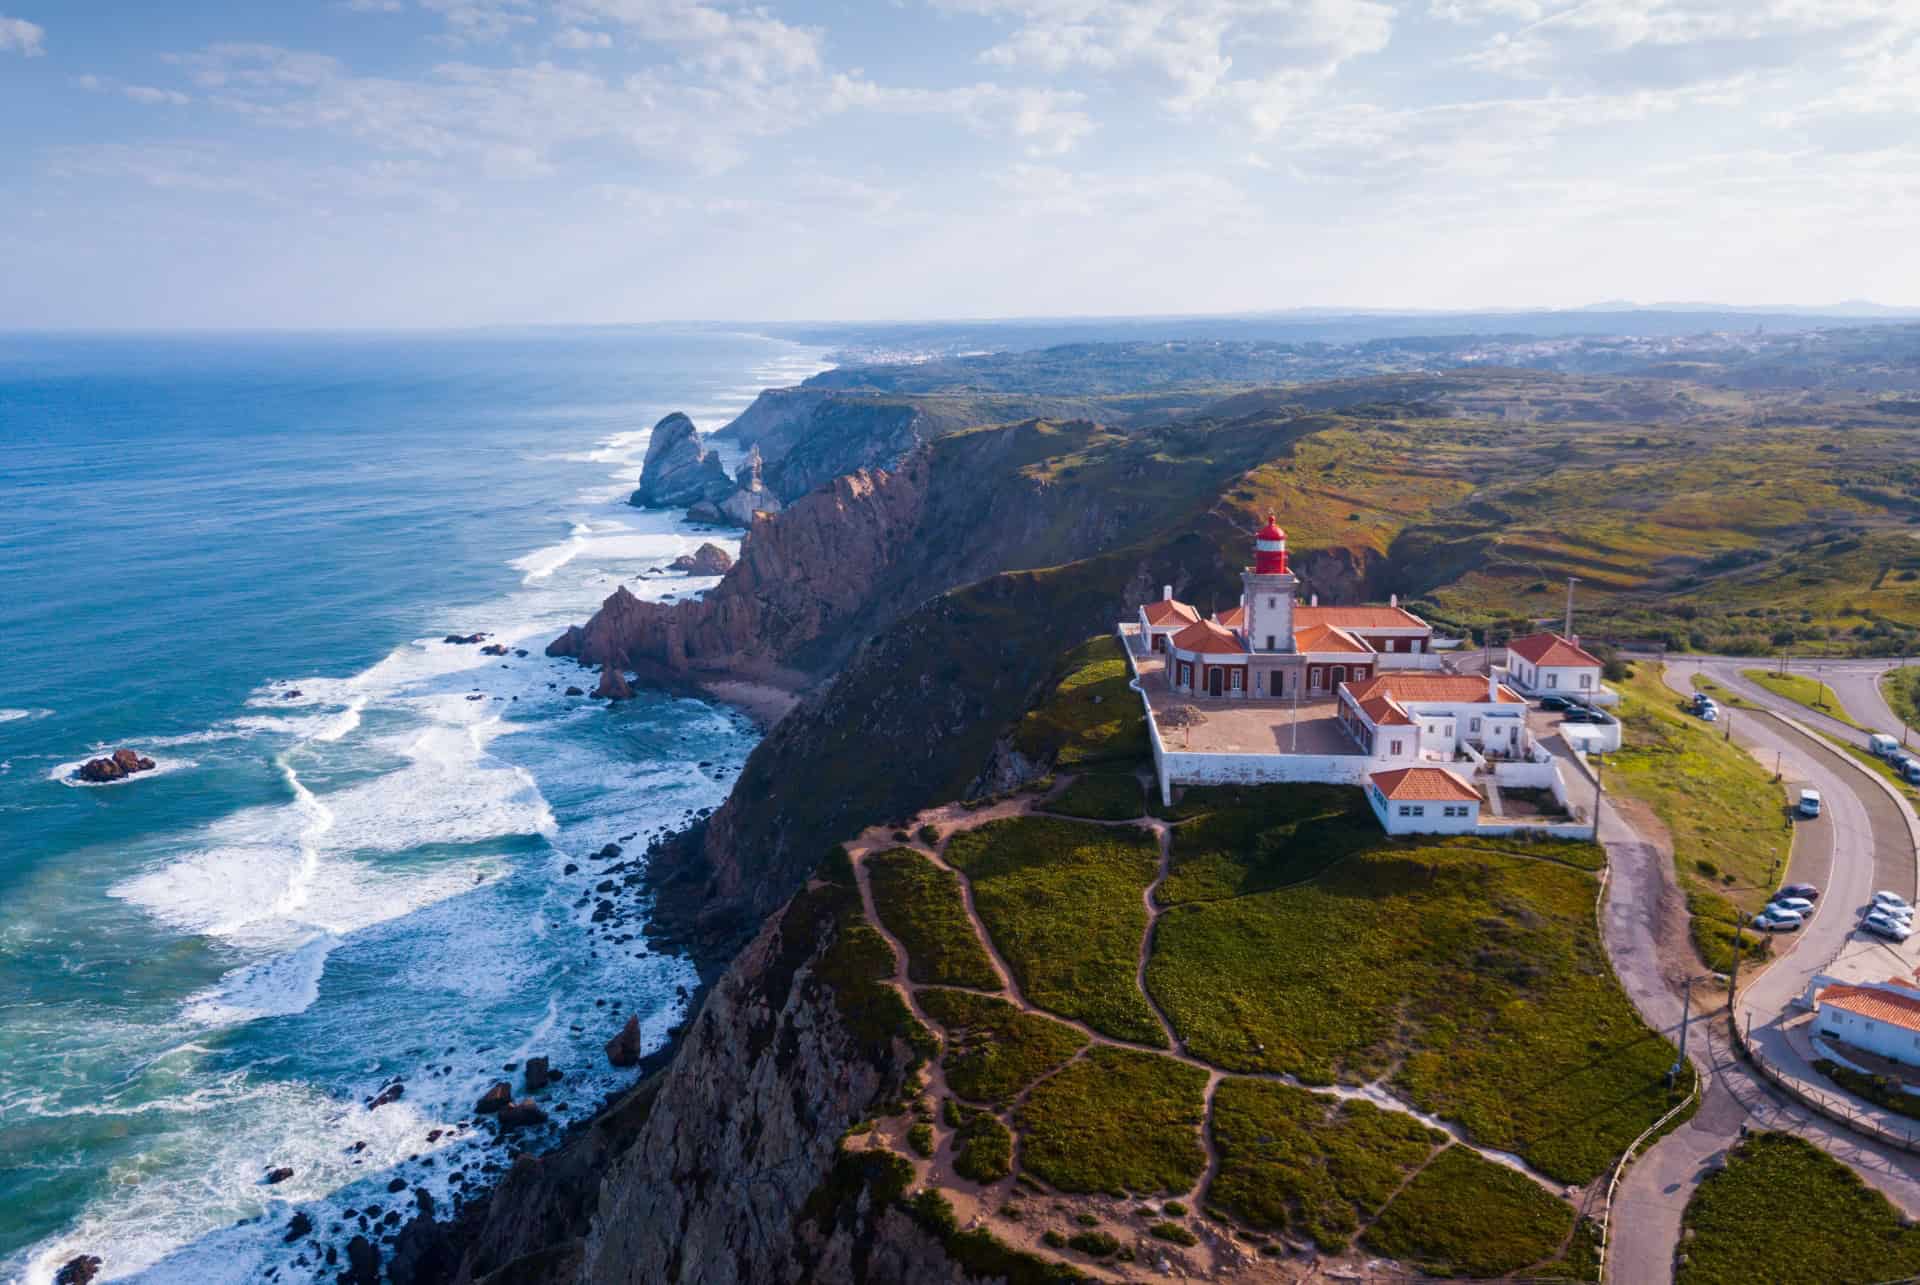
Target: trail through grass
[(922, 905)]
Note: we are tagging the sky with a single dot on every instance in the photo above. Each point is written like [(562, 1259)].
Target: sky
[(401, 163)]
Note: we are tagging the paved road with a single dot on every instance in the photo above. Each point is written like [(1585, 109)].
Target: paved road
[(1861, 820)]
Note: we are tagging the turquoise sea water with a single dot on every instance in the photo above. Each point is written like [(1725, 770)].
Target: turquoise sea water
[(240, 556)]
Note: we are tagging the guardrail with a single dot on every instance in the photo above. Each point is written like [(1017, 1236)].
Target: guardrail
[(1832, 1106), (1626, 1157)]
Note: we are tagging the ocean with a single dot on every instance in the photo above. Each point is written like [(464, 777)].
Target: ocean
[(365, 854)]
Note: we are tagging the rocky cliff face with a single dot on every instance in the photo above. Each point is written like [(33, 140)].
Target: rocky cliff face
[(678, 470), (798, 575), (726, 1167)]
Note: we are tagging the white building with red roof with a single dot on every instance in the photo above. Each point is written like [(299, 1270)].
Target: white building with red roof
[(1404, 717), (1553, 664), (1882, 1018), (1424, 800)]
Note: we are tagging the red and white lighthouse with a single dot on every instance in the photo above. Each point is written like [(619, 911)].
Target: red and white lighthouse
[(1268, 592), (1270, 549)]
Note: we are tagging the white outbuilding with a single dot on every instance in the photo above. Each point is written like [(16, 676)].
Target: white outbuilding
[(1552, 664)]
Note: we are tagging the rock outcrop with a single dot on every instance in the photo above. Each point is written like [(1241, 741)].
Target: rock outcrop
[(78, 1270), (624, 1048), (117, 766), (678, 470), (707, 560), (613, 684)]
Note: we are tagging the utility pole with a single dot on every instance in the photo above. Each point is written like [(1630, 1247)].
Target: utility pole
[(1571, 582)]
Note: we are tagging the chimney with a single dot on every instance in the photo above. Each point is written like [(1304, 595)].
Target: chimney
[(1243, 598), (1166, 593), (1315, 601), (1393, 600), (1493, 687)]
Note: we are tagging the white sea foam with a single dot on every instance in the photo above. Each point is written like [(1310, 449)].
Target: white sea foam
[(19, 715), (275, 987)]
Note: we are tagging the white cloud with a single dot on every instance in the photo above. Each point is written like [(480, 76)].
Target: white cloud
[(1046, 122), (18, 36), (581, 38), (138, 93)]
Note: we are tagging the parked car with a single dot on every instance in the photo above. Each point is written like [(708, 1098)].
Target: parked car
[(1806, 890), (1579, 715), (1882, 744), (1772, 920), (1709, 713), (1555, 702), (1911, 771), (1809, 805), (1884, 900), (1799, 905), (1891, 929)]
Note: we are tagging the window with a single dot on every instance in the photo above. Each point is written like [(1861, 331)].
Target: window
[(1270, 646), (1393, 748), (1473, 725), (1553, 680), (1273, 602), (1419, 809), (1586, 681), (1455, 810), (1405, 811), (1238, 677)]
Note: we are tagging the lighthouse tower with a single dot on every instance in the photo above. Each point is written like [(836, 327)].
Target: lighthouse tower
[(1268, 592)]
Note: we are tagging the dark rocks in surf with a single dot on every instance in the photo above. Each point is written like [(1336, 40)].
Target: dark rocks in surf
[(117, 766), (363, 1263), (523, 1114), (708, 560), (496, 649), (392, 1093), (537, 1074), (278, 1174), (576, 691), (613, 684), (299, 1227), (79, 1270), (466, 640), (500, 1095), (624, 1048)]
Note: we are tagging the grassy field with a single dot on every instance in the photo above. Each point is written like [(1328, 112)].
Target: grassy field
[(1234, 840), (1101, 796), (922, 905), (1727, 816), (1475, 978), (1062, 901), (1803, 690), (1298, 1162), (1118, 1122), (1091, 716), (1465, 1216), (983, 1149), (993, 1049), (1782, 1210), (1901, 689)]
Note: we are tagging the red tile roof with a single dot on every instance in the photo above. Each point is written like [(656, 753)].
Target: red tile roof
[(1326, 638), (1423, 784), (1869, 1002), (1553, 650), (1232, 617), (1358, 617), (1402, 686), (1168, 611), (1206, 638), (1382, 712)]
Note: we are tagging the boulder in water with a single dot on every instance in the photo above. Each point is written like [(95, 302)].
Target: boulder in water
[(392, 1093), (708, 560), (466, 640), (624, 1048), (494, 1098), (613, 685), (537, 1074), (523, 1114), (363, 1263), (78, 1270), (299, 1227), (117, 766), (278, 1174)]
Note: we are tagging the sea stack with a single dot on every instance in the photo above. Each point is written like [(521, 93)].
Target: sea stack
[(117, 766), (678, 470)]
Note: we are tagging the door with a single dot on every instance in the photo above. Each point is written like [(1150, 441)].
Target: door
[(1213, 680)]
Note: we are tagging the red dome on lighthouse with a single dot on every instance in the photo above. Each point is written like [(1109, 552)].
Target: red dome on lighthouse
[(1270, 549)]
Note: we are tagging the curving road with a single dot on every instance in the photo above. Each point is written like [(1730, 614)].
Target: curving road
[(1862, 844)]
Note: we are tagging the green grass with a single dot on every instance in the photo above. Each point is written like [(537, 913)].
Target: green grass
[(1901, 690), (1477, 979), (1101, 796), (1721, 807), (1237, 840), (993, 1049), (1296, 1161), (1090, 715), (1117, 1121), (1782, 1210), (1175, 1233), (1801, 690), (1465, 1216), (983, 1149), (923, 906), (1881, 1090), (1062, 902)]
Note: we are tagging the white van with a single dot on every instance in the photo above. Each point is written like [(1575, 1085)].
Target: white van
[(1809, 803), (1881, 744)]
